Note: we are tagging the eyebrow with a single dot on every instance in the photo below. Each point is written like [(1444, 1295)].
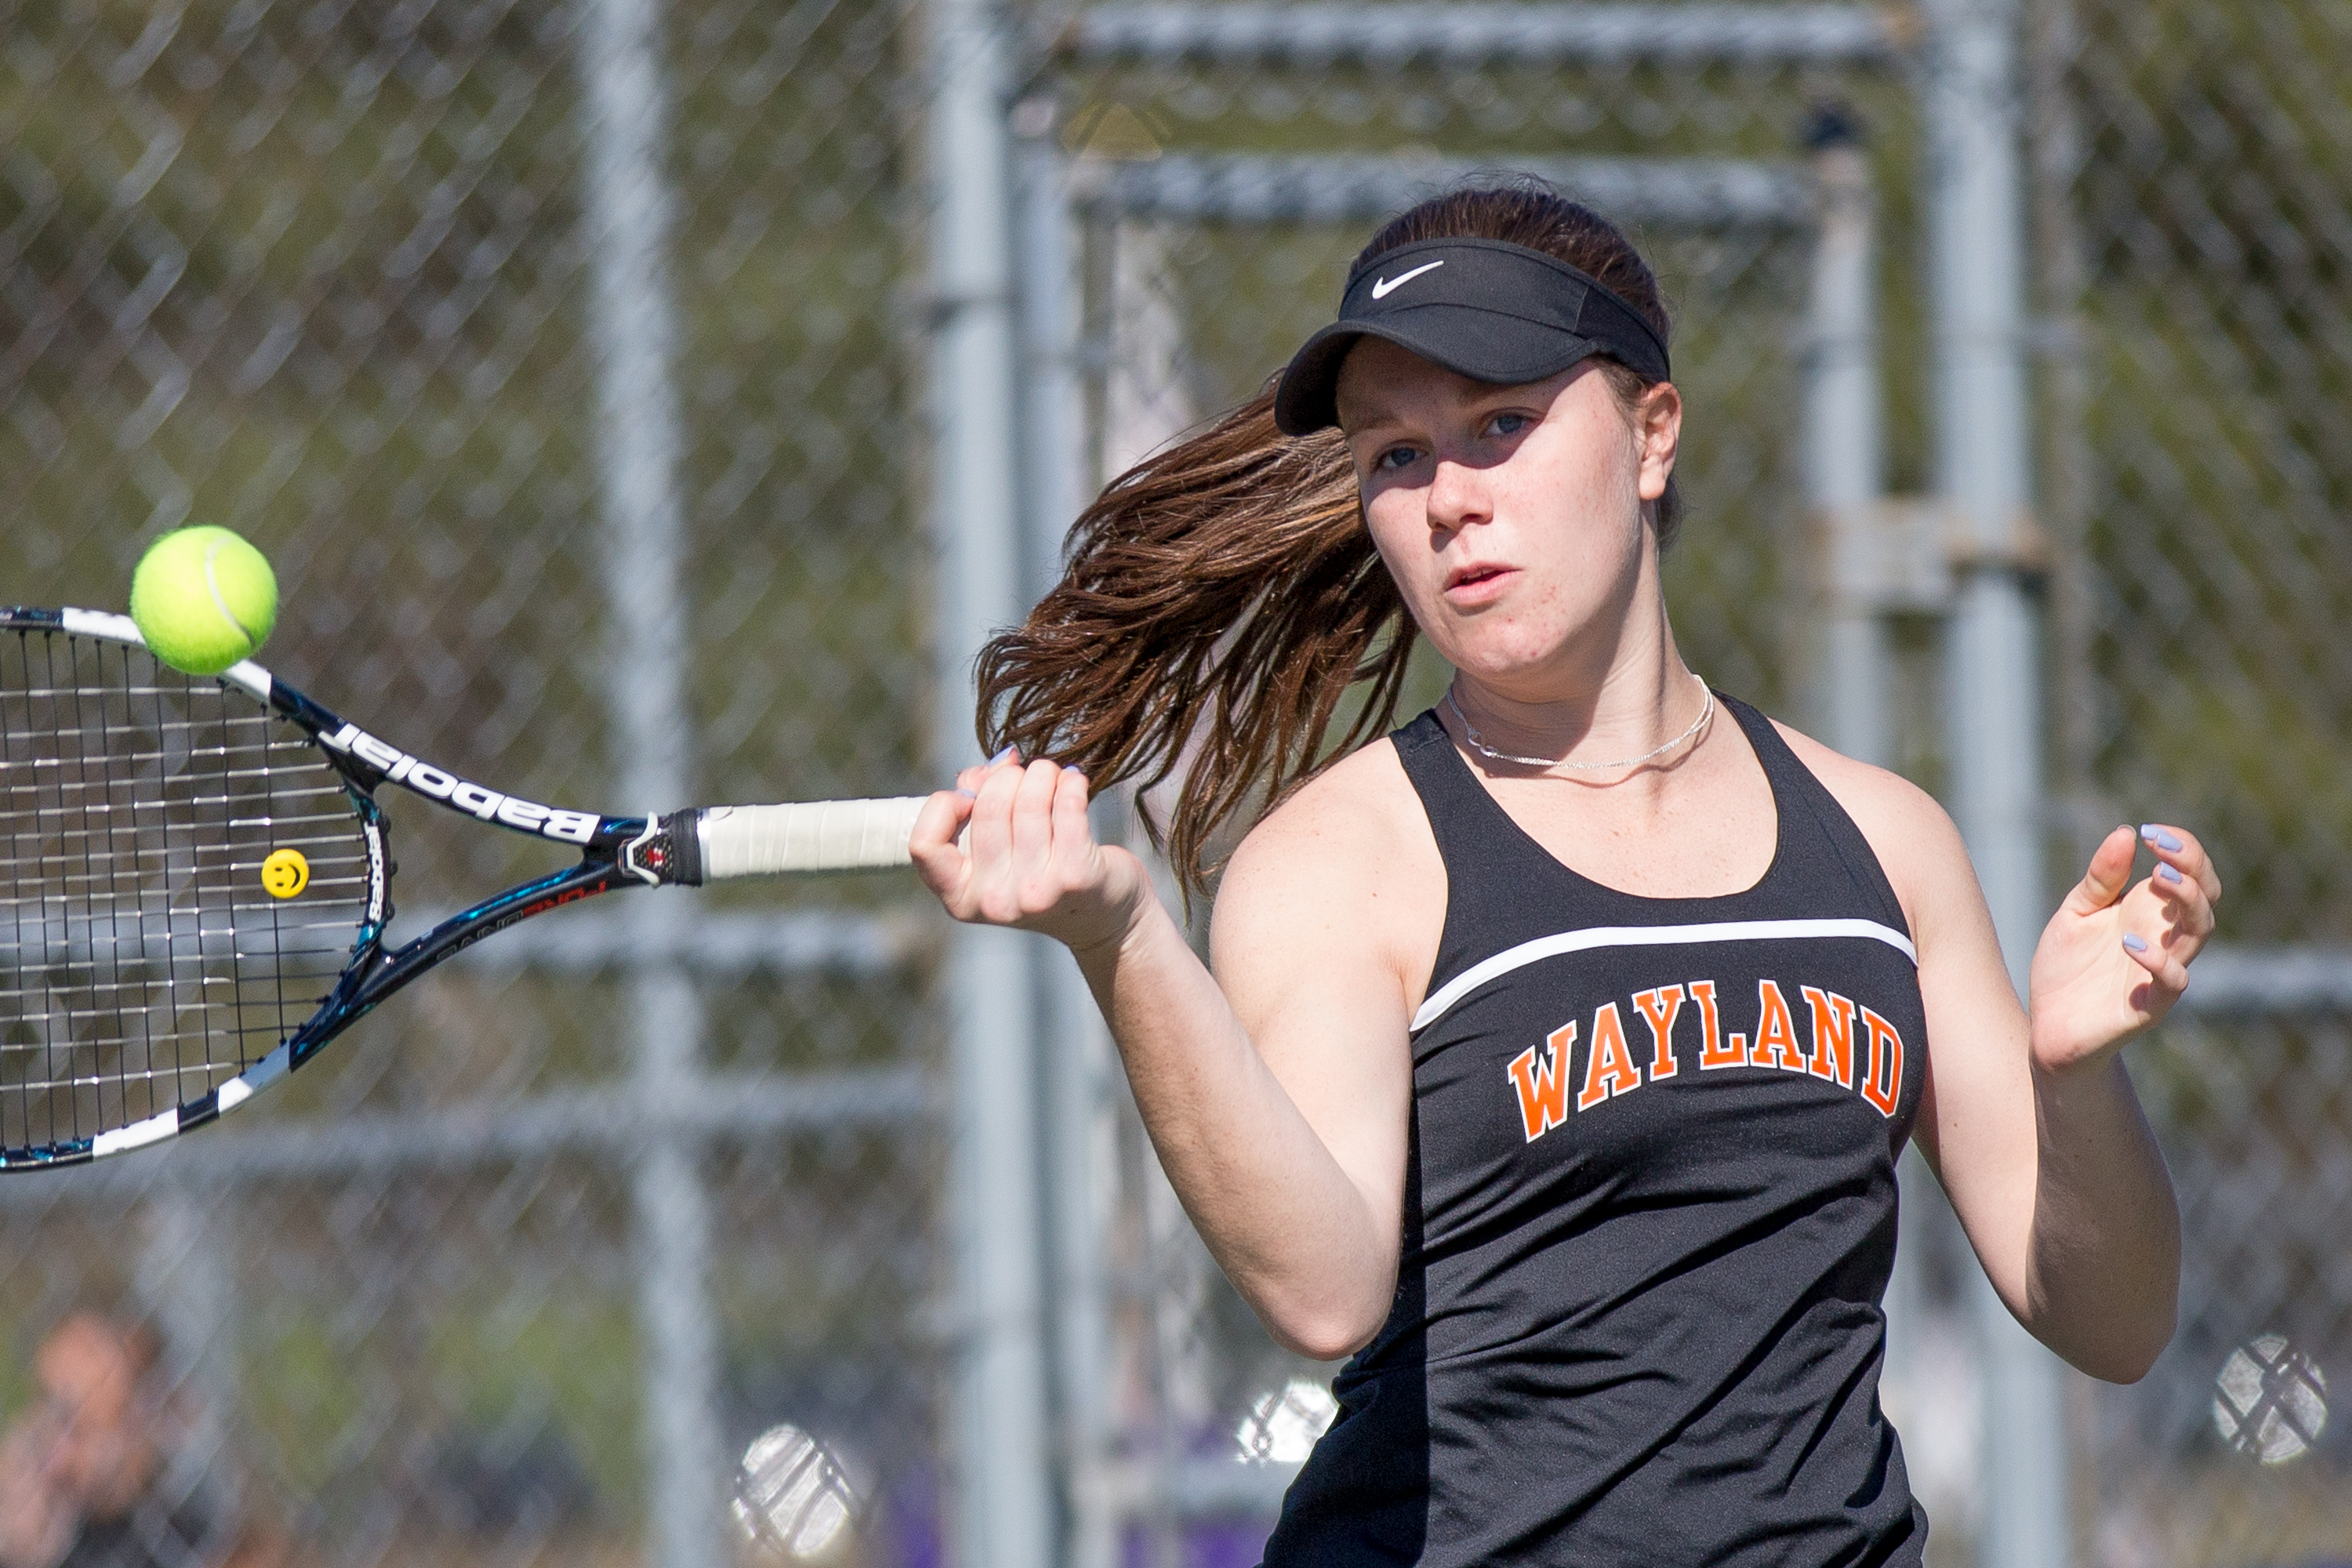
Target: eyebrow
[(1484, 400), (1375, 425)]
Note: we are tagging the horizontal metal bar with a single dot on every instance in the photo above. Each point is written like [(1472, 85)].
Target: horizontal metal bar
[(608, 1120), (1269, 188), (718, 944), (1478, 34), (1201, 1488), (2232, 981)]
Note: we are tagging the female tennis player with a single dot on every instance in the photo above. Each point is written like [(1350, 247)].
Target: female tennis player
[(1556, 1052)]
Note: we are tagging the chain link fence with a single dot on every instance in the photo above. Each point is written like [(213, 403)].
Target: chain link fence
[(2194, 167), (341, 278), (330, 276)]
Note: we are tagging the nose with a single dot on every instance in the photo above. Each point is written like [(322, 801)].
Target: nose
[(1457, 497)]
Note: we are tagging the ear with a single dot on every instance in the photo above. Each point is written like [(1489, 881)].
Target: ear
[(1658, 432)]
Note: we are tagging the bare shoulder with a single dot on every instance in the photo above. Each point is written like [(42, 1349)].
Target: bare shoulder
[(1914, 837), (1346, 870)]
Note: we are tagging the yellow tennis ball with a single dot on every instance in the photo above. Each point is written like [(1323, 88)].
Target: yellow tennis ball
[(204, 599)]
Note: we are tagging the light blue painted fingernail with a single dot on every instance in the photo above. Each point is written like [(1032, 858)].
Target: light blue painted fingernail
[(2158, 836), (965, 792), (2135, 943), (2166, 873), (999, 760), (1074, 768)]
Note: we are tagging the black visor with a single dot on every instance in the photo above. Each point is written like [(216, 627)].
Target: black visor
[(1492, 311)]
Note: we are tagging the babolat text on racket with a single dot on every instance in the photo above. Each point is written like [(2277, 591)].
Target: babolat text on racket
[(199, 878)]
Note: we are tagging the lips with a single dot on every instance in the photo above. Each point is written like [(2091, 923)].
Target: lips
[(1474, 575)]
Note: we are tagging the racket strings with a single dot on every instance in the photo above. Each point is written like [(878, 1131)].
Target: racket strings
[(144, 961)]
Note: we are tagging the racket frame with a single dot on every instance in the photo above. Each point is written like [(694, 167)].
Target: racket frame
[(616, 852)]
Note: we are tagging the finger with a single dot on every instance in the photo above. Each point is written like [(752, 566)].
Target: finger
[(2162, 966), (2185, 904), (1074, 834), (990, 842), (2108, 876), (1032, 819), (1076, 862), (2167, 976), (970, 779), (2179, 847)]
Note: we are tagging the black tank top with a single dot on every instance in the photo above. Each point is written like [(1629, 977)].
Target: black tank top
[(1649, 1215)]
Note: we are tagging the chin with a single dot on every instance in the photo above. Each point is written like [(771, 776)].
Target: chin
[(1496, 659), (1500, 635)]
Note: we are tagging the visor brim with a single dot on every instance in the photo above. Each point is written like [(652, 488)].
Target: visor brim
[(1481, 345)]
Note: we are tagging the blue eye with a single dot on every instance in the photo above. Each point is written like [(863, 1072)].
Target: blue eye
[(1508, 424), (1396, 457)]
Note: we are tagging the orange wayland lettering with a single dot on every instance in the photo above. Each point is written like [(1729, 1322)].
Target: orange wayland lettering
[(1539, 1075), (1776, 1032), (1543, 1085), (1658, 1010), (1609, 1068), (1833, 1037)]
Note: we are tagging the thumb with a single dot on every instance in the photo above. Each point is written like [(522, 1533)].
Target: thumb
[(2109, 875), (938, 859)]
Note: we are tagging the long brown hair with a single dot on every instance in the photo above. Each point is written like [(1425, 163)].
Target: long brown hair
[(1222, 596)]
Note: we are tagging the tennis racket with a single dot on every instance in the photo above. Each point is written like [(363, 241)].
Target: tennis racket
[(199, 878)]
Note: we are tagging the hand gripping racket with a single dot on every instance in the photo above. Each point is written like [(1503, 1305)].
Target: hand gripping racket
[(198, 881)]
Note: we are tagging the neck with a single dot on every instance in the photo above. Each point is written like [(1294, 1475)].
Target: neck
[(1641, 699)]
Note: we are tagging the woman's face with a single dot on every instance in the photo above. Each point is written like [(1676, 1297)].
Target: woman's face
[(1509, 516)]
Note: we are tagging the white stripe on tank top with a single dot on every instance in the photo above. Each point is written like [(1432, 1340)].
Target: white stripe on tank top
[(1593, 937)]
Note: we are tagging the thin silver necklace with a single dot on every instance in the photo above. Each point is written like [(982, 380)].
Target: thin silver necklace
[(1478, 742)]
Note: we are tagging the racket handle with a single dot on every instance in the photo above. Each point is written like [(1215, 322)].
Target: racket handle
[(816, 835)]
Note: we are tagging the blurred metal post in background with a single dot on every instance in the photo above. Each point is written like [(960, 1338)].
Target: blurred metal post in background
[(1845, 450), (1001, 1512), (1852, 675), (1074, 1046), (633, 322), (1975, 245)]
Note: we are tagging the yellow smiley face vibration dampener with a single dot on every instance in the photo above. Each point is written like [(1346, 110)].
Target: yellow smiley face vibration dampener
[(285, 873)]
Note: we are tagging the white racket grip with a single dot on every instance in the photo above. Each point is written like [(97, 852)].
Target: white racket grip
[(814, 835)]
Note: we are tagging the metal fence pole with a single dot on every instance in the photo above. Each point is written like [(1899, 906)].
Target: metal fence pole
[(1146, 402), (1845, 454), (1977, 276), (1852, 661), (1003, 1509), (633, 323), (1074, 1045), (186, 1282)]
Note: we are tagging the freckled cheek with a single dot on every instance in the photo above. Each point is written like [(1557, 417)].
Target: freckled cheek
[(1410, 553)]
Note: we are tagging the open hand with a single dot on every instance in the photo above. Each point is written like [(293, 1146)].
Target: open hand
[(1028, 856), (2116, 956)]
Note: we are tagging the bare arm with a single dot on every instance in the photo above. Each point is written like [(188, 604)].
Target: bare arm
[(2029, 1120), (37, 1525), (1279, 1114)]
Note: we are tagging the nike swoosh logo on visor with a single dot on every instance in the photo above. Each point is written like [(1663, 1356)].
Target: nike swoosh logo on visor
[(1384, 287)]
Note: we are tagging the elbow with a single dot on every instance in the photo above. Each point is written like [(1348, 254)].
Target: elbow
[(2132, 1344), (1322, 1336), (2119, 1365), (2134, 1358), (2144, 1333), (1329, 1329)]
